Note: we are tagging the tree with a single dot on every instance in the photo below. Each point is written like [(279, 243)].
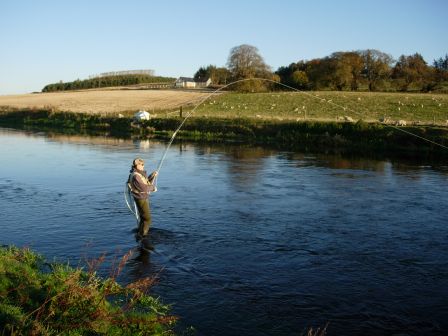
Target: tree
[(285, 72), (411, 70), (441, 69), (356, 64), (376, 67), (202, 73), (288, 77), (300, 79), (245, 62), (346, 70), (441, 63), (340, 70), (218, 76), (319, 72)]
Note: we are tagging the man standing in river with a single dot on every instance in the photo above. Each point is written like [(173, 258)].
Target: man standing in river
[(141, 186)]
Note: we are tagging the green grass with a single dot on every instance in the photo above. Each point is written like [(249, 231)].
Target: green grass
[(329, 106), (37, 298), (291, 120)]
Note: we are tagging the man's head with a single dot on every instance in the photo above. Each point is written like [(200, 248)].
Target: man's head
[(138, 163)]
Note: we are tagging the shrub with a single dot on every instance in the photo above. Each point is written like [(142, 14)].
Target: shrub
[(37, 298)]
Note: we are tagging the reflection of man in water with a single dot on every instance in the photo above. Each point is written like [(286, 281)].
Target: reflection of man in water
[(140, 266), (141, 185)]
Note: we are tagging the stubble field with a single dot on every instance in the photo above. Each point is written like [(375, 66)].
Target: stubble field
[(108, 102), (413, 108)]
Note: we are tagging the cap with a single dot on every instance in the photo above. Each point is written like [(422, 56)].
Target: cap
[(138, 161)]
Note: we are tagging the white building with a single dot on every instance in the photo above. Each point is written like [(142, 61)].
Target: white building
[(142, 115), (204, 84), (186, 82)]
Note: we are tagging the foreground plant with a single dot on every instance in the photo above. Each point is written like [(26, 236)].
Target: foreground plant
[(320, 331), (37, 298)]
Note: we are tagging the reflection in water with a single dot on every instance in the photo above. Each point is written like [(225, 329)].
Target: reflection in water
[(270, 242), (140, 265), (246, 164)]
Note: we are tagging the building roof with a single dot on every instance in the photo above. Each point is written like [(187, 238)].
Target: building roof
[(186, 79)]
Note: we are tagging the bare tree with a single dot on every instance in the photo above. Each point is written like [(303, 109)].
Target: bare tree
[(245, 62)]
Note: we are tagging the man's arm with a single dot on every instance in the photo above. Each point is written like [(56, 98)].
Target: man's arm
[(152, 177)]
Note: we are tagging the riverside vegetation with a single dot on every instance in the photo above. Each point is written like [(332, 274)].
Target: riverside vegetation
[(40, 298), (327, 120)]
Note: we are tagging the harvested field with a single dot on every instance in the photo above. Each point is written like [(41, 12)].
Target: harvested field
[(105, 101)]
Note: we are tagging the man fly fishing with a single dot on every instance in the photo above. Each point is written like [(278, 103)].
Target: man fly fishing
[(140, 186)]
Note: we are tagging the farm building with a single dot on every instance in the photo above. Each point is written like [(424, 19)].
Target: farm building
[(204, 84), (186, 82)]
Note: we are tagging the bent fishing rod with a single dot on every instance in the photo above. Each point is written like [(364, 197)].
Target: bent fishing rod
[(190, 113)]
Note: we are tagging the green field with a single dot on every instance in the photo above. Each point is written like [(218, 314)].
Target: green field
[(414, 108), (293, 120)]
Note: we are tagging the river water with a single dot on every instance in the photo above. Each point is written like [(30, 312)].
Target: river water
[(245, 240)]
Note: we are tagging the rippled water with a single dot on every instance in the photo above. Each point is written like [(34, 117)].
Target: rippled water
[(245, 240)]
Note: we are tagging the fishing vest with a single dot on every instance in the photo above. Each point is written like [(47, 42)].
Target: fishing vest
[(152, 188)]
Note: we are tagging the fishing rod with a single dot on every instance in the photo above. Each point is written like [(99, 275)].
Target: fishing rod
[(190, 113)]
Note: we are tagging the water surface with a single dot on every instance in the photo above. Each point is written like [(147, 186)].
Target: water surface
[(245, 240)]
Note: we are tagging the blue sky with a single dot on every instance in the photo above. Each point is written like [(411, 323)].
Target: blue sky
[(47, 41)]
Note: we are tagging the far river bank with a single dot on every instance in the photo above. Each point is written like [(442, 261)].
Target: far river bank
[(323, 136)]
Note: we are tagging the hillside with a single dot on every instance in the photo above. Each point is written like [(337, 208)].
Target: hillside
[(415, 108)]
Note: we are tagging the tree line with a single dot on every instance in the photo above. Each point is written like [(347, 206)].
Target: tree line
[(98, 82), (367, 70)]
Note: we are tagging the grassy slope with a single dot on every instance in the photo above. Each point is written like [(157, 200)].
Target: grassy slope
[(324, 105), (329, 105), (272, 118)]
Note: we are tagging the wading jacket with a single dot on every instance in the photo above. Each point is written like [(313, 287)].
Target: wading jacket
[(140, 184)]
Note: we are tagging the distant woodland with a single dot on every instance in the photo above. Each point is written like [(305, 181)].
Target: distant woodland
[(108, 81), (362, 70)]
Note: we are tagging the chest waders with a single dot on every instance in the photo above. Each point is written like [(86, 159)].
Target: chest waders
[(129, 192)]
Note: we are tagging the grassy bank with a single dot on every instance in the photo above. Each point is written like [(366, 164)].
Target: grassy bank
[(37, 298), (357, 136), (414, 108)]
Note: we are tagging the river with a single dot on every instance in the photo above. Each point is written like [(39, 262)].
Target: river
[(245, 240)]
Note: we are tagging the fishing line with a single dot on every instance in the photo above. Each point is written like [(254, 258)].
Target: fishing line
[(127, 193), (189, 114), (127, 198)]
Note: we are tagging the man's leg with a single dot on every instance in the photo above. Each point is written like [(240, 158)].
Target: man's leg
[(145, 216)]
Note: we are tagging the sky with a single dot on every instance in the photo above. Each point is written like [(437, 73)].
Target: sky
[(46, 41)]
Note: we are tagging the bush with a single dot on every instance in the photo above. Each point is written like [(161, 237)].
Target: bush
[(37, 298)]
